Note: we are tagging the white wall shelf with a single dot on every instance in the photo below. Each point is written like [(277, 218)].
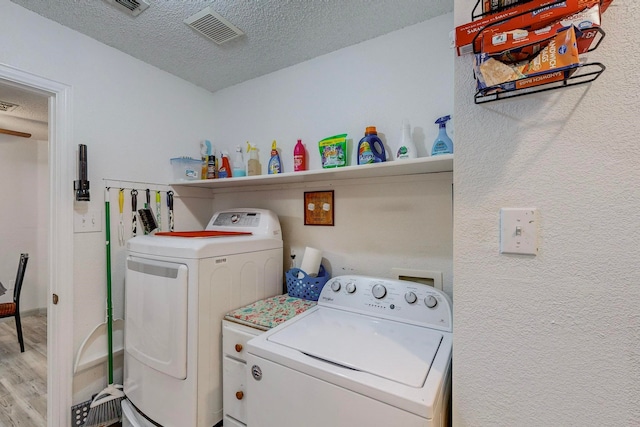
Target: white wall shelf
[(423, 165)]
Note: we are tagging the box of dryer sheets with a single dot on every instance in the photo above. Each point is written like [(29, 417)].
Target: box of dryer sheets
[(532, 15), (520, 44), (556, 62)]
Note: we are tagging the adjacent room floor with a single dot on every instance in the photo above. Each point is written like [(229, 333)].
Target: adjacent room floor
[(23, 376)]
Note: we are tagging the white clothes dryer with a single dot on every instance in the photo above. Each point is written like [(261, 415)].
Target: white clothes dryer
[(373, 352), (177, 290)]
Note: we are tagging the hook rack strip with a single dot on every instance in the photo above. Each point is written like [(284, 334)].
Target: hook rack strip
[(135, 185)]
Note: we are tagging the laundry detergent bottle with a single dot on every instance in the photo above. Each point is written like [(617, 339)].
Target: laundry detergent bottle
[(442, 144), (370, 148)]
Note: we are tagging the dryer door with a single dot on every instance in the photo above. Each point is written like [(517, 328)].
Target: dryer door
[(156, 314)]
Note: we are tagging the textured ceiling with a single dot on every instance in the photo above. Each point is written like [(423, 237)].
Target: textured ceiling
[(278, 33), (29, 116)]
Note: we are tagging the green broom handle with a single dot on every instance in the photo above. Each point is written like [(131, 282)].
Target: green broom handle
[(109, 303)]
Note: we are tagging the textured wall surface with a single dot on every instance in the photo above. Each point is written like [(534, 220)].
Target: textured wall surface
[(550, 340)]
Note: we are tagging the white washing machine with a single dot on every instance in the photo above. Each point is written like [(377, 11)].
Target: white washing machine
[(177, 290), (373, 352)]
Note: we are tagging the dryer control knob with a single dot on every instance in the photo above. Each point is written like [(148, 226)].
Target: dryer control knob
[(335, 286), (351, 287), (379, 291), (430, 301), (410, 297)]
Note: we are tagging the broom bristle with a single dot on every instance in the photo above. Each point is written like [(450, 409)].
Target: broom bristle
[(105, 409), (104, 414)]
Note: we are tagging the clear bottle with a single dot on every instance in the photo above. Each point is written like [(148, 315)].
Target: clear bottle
[(238, 164), (299, 157), (253, 165), (406, 148)]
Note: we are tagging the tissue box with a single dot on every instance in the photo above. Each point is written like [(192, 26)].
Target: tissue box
[(186, 168)]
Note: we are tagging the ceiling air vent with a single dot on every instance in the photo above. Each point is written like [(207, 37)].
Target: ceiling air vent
[(213, 26), (7, 106), (133, 7)]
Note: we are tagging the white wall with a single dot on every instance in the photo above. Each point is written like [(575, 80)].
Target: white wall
[(21, 230), (550, 340), (130, 117), (380, 223)]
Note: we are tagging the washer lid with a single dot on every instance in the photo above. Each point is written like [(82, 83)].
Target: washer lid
[(396, 351)]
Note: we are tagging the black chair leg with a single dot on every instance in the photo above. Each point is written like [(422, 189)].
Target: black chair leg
[(19, 329)]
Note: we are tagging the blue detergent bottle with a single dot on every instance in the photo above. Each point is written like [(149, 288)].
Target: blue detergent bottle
[(442, 144), (370, 148)]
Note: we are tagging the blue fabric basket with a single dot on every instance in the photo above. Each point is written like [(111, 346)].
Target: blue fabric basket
[(306, 287)]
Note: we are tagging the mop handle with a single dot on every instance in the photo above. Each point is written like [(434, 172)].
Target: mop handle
[(109, 303)]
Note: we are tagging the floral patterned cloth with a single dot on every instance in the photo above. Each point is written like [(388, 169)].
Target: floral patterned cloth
[(270, 312)]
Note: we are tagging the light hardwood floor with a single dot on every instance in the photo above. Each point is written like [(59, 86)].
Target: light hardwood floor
[(23, 376)]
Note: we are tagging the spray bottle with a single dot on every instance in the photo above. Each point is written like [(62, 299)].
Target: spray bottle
[(238, 164), (253, 165), (442, 144), (224, 171)]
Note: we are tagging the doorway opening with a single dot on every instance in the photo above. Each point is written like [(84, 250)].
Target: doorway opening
[(60, 240)]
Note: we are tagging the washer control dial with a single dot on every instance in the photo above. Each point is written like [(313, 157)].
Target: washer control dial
[(335, 286), (410, 297), (379, 291), (351, 287), (430, 301)]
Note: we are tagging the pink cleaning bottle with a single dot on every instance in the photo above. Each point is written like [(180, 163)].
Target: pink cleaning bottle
[(299, 157)]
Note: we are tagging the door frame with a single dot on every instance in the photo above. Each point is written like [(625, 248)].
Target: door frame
[(60, 245)]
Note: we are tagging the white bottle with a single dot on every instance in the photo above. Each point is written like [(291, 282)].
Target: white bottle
[(406, 148)]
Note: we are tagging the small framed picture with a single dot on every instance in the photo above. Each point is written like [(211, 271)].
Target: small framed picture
[(318, 207)]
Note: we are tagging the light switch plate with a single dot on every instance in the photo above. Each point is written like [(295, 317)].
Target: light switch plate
[(519, 231), (87, 222)]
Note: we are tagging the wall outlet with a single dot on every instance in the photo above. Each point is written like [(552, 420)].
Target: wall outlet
[(87, 222)]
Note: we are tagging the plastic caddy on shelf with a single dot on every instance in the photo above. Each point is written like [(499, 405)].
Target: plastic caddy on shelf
[(306, 287)]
